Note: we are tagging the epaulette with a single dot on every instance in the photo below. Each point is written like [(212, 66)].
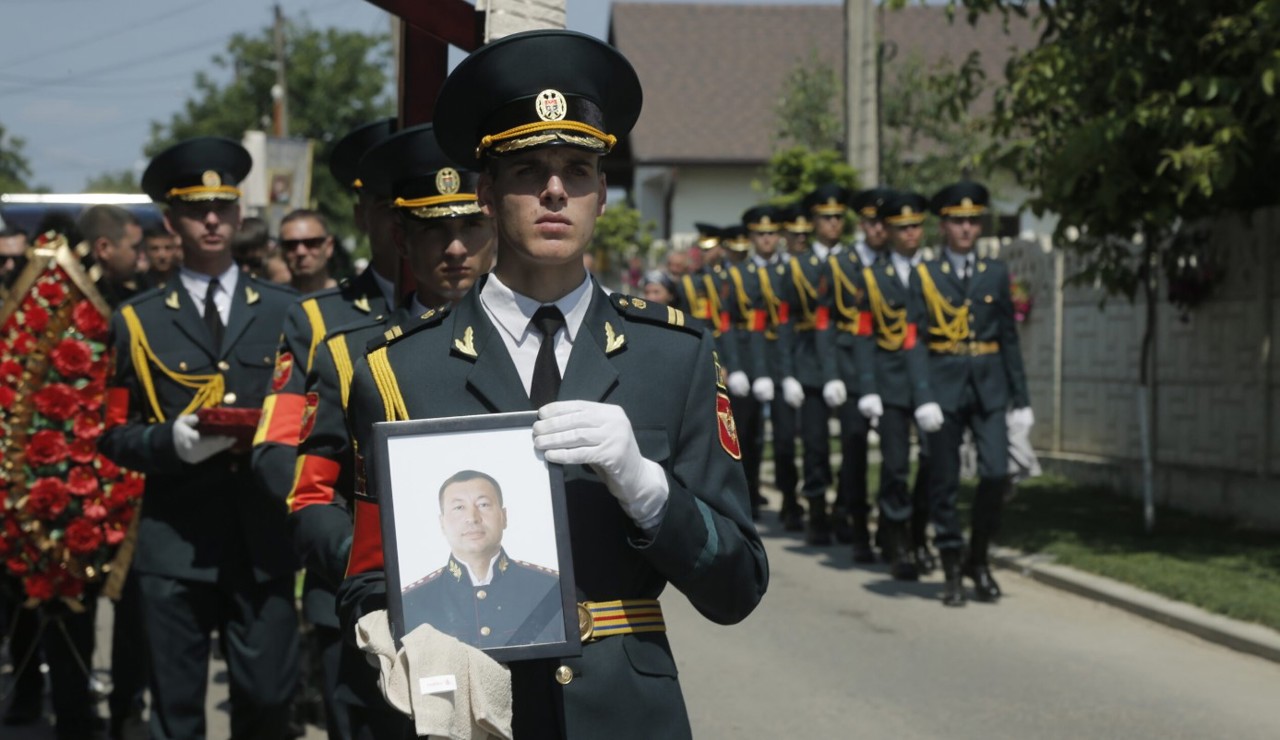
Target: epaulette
[(428, 578), (144, 296), (430, 317), (534, 566), (258, 282), (653, 313), (364, 323)]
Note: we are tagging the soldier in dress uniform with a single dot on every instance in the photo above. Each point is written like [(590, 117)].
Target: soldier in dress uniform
[(307, 321), (749, 383), (763, 224), (627, 392), (448, 243), (212, 550), (965, 317), (885, 337), (482, 596), (797, 229)]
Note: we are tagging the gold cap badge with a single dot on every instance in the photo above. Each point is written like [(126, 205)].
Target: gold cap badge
[(907, 211), (211, 179), (448, 182), (551, 105), (966, 203)]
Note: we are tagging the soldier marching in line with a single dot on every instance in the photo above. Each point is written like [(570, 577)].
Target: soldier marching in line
[(786, 394), (439, 229), (705, 292), (306, 323), (212, 550), (885, 338), (964, 316)]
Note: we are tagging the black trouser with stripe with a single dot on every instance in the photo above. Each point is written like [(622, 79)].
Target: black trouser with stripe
[(816, 435), (782, 419), (992, 439), (852, 491), (747, 418)]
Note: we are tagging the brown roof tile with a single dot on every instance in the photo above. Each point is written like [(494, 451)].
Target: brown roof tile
[(712, 74)]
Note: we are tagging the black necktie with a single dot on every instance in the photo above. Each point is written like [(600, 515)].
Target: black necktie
[(212, 318), (545, 387)]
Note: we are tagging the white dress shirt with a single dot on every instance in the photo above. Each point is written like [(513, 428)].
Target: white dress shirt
[(197, 285), (902, 266), (822, 251), (961, 263), (513, 313), (865, 253)]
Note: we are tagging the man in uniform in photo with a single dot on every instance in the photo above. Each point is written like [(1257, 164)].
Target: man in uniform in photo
[(482, 596), (212, 552), (627, 393), (964, 314)]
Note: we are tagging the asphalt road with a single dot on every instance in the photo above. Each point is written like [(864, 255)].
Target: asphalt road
[(841, 651)]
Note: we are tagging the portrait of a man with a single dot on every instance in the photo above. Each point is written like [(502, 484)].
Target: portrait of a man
[(483, 596)]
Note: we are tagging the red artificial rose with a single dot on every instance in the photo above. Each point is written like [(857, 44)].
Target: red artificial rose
[(83, 451), (107, 469), (82, 481), (88, 321), (53, 293), (70, 588), (23, 344), (87, 427), (72, 358), (115, 536), (16, 566), (7, 397), (36, 318), (57, 401), (47, 498), (46, 447), (125, 490), (95, 511), (10, 371), (91, 395), (82, 537), (38, 586)]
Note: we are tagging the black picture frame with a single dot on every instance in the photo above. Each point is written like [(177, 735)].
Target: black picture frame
[(408, 463)]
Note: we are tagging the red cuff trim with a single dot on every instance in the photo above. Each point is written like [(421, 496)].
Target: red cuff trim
[(366, 539)]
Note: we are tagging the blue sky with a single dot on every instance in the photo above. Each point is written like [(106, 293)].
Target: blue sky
[(81, 80)]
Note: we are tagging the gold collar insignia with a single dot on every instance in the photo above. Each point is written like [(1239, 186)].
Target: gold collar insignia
[(612, 341), (172, 301), (251, 296), (467, 345)]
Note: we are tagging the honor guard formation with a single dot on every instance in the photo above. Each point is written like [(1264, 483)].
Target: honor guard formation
[(249, 407)]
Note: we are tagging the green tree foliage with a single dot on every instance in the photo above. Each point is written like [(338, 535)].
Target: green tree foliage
[(808, 111), (1135, 117), (620, 232), (337, 80), (119, 181), (929, 137), (795, 171), (14, 167)]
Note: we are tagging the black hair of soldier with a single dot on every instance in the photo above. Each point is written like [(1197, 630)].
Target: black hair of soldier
[(106, 221), (463, 476)]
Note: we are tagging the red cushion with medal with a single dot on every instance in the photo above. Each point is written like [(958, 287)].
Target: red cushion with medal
[(240, 423)]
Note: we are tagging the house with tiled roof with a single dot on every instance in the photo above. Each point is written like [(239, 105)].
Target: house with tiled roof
[(712, 76)]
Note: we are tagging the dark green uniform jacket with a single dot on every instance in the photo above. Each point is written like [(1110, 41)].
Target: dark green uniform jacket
[(883, 347), (662, 373), (198, 522)]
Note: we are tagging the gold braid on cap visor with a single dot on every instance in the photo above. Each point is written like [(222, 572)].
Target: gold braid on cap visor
[(204, 192), (905, 219), (963, 210), (709, 242), (545, 132), (440, 206)]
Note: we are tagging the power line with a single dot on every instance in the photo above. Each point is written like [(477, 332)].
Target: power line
[(102, 36)]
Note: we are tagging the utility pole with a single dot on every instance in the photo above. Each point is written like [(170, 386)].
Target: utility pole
[(280, 91), (862, 99)]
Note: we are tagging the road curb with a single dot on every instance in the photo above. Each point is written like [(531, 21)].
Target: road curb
[(1248, 638)]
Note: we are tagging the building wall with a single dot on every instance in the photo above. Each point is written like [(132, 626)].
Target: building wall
[(716, 194), (1217, 429)]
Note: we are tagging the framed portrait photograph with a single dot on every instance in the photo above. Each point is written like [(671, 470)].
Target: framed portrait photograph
[(475, 534)]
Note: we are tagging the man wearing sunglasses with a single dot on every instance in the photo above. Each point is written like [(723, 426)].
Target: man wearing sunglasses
[(307, 247), (964, 316)]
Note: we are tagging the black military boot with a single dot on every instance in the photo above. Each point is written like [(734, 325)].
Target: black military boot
[(860, 538), (953, 590), (976, 569), (897, 544), (925, 560), (818, 530), (842, 525), (791, 516)]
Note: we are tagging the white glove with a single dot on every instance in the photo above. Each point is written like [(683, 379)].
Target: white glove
[(871, 406), (792, 392), (600, 435), (834, 393), (929, 417), (739, 384), (192, 448), (1021, 418), (762, 389)]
